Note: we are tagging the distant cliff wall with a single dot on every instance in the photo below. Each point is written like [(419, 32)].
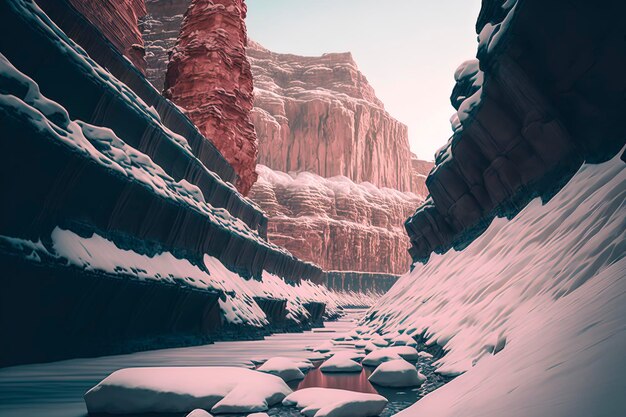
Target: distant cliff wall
[(319, 114), (334, 222)]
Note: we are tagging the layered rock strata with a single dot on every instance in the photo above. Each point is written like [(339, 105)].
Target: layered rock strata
[(319, 114), (334, 222), (113, 205), (359, 281), (543, 97), (118, 21), (218, 193), (209, 76)]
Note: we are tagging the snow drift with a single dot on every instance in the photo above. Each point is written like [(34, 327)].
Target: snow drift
[(532, 312)]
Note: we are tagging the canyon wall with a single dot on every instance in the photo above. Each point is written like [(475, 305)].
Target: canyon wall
[(209, 76), (334, 222), (543, 97), (118, 21), (123, 230), (319, 114)]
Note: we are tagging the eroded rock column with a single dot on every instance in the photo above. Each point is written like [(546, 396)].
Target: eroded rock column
[(209, 76)]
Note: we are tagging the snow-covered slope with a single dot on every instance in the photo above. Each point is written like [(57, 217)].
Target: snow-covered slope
[(532, 312)]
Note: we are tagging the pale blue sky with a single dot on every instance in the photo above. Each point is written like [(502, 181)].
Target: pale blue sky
[(408, 50)]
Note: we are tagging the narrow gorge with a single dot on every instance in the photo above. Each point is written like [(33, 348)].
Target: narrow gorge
[(194, 224)]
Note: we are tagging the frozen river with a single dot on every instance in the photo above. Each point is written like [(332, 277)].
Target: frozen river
[(56, 389)]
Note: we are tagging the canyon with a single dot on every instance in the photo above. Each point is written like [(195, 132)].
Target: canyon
[(316, 115), (169, 184)]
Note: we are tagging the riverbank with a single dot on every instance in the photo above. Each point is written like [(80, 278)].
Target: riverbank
[(56, 389)]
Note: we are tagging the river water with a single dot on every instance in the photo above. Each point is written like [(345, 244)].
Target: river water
[(56, 389)]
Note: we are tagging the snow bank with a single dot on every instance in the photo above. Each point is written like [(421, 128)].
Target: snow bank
[(533, 311), (397, 373), (104, 147), (328, 402), (182, 389), (96, 253)]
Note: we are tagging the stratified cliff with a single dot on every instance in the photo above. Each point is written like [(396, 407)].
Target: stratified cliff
[(118, 21), (319, 114), (160, 29), (209, 76), (120, 228), (545, 95), (334, 222), (320, 118)]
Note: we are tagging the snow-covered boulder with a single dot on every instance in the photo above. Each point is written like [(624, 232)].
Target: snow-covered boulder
[(324, 347), (408, 353), (390, 336), (379, 342), (341, 363), (317, 356), (304, 364), (328, 402), (199, 412), (379, 356), (220, 389), (387, 354), (403, 340), (286, 368), (349, 354), (397, 373), (258, 415), (370, 347), (425, 355)]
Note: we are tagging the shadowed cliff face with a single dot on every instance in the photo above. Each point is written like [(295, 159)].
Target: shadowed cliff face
[(319, 114), (209, 76), (544, 96), (160, 29), (120, 204), (334, 222)]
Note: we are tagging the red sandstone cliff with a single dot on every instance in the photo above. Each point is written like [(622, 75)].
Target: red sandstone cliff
[(336, 223), (209, 76), (118, 21), (319, 114)]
